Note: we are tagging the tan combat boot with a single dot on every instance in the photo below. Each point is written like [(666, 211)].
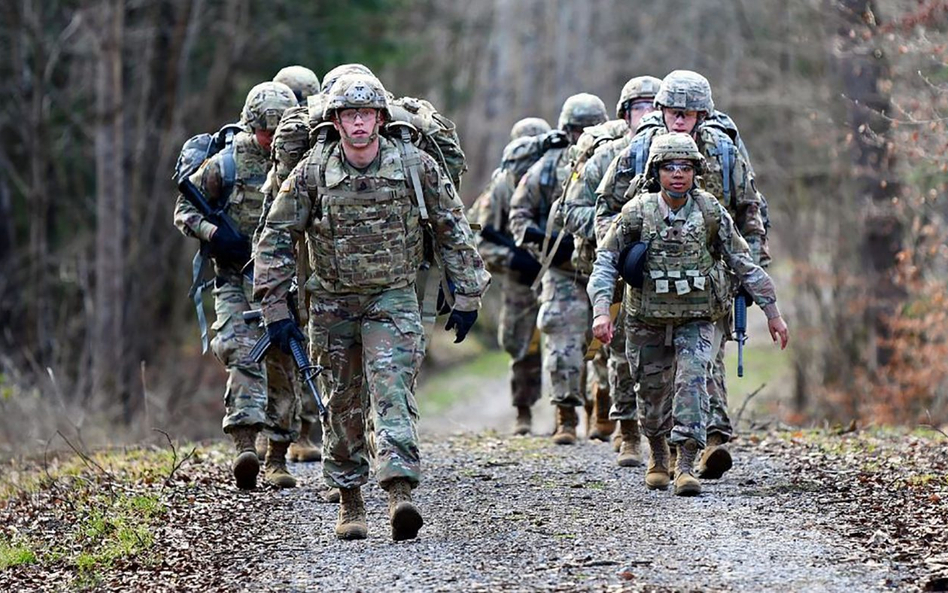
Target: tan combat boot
[(672, 456), (524, 420), (566, 421), (617, 441), (686, 484), (715, 459), (351, 523), (246, 464), (656, 477), (261, 445), (629, 452), (602, 427), (405, 518), (304, 449), (275, 467)]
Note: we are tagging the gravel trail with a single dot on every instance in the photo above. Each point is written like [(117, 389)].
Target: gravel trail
[(521, 514)]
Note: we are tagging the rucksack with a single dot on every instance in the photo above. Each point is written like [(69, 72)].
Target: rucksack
[(522, 153), (193, 154)]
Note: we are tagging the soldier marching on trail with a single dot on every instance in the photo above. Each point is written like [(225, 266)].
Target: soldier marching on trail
[(677, 289), (365, 203)]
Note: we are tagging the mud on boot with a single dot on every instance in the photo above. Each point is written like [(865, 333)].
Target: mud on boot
[(524, 422), (686, 484), (566, 421), (246, 465), (351, 522), (275, 467), (630, 454), (304, 449), (656, 477), (715, 459), (405, 518)]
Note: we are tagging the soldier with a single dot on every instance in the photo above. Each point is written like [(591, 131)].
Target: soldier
[(364, 204), (675, 299), (564, 308), (579, 217), (301, 80), (517, 331), (685, 105), (256, 398)]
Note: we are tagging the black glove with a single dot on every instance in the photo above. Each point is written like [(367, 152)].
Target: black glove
[(534, 235), (229, 249), (462, 321), (527, 267), (443, 307), (564, 251), (282, 331)]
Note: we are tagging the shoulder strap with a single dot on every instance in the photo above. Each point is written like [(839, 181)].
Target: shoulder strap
[(228, 166), (710, 214), (726, 152)]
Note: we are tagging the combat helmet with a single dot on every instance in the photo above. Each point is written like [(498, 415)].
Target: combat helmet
[(265, 105), (673, 146), (301, 80), (356, 91), (529, 126), (581, 111), (684, 89), (640, 87), (343, 69)]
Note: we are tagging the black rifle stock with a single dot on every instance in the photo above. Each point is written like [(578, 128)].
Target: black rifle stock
[(216, 216), (740, 329)]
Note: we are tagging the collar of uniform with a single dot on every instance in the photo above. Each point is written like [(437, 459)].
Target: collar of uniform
[(247, 142), (389, 165), (671, 217)]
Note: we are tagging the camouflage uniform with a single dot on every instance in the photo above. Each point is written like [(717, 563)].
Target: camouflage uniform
[(723, 151), (596, 149), (256, 395), (364, 308), (518, 314), (669, 328), (564, 309)]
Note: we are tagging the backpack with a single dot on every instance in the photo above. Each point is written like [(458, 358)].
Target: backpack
[(522, 153), (193, 154)]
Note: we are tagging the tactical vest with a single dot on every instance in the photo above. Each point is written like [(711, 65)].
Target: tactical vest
[(246, 201), (683, 280), (365, 234)]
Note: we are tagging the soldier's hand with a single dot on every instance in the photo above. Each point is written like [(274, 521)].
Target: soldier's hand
[(282, 331), (461, 322), (778, 327), (603, 329), (227, 248)]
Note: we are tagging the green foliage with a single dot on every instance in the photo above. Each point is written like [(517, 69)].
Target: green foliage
[(15, 555)]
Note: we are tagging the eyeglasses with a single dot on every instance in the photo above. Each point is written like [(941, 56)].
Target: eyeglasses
[(677, 167), (350, 115), (681, 113), (642, 106)]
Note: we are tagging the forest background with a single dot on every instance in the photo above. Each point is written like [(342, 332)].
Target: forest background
[(842, 104)]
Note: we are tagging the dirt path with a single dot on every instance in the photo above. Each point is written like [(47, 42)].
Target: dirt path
[(520, 514)]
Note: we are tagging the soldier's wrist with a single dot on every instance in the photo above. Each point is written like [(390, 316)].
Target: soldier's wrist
[(771, 311), (467, 303), (601, 309), (275, 312), (206, 230)]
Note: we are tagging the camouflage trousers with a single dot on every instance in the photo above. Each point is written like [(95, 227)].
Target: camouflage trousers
[(518, 322), (564, 320), (673, 378), (719, 421), (377, 341), (264, 396), (621, 379)]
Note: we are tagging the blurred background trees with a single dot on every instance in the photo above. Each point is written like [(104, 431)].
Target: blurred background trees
[(842, 104)]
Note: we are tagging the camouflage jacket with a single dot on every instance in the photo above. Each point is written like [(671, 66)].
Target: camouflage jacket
[(246, 200), (299, 207), (737, 192), (533, 199), (727, 245), (492, 208)]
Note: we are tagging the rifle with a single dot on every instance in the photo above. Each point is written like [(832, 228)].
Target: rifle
[(308, 372), (217, 217), (740, 329), (489, 233)]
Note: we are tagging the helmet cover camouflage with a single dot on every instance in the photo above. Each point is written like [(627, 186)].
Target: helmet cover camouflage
[(265, 105), (333, 75), (529, 126), (674, 147), (356, 91), (581, 111), (301, 80), (640, 87), (684, 89)]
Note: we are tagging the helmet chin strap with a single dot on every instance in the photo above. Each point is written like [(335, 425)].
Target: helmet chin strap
[(360, 142)]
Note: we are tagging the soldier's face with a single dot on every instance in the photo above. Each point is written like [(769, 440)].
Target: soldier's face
[(264, 138), (679, 120), (637, 110), (677, 176)]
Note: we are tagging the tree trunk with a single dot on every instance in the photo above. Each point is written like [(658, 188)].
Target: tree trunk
[(109, 361)]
